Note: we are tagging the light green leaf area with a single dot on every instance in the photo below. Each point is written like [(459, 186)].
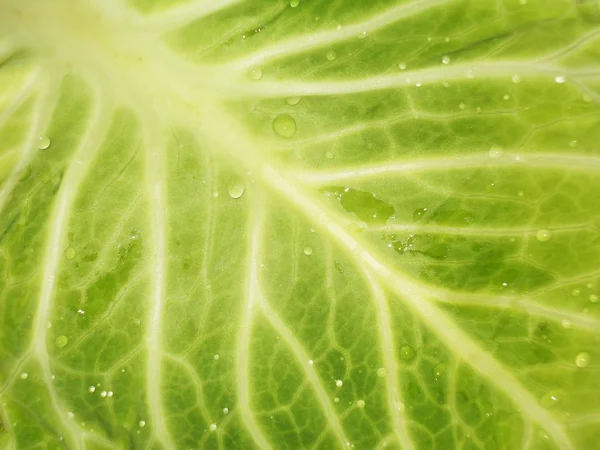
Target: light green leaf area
[(306, 224)]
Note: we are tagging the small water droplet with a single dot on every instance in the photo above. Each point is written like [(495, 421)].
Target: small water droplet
[(360, 403), (363, 35), (407, 353), (136, 322), (419, 213), (103, 394), (470, 74), (543, 235), (582, 360), (308, 251), (560, 79), (594, 298), (402, 66), (213, 426), (43, 142), (573, 143), (215, 357), (567, 324), (439, 370), (551, 399), (310, 362), (336, 400), (70, 253), (400, 406), (142, 423), (284, 125), (236, 189), (495, 152), (576, 292), (446, 60), (109, 394), (339, 383), (381, 372), (61, 341), (225, 411), (506, 97), (516, 79), (70, 415), (462, 106), (294, 3), (24, 376), (293, 101), (329, 155), (92, 389), (255, 73), (331, 55)]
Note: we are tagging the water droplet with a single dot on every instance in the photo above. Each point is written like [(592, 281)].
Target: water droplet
[(506, 97), (61, 341), (308, 251), (284, 125), (470, 74), (336, 400), (439, 370), (294, 3), (402, 66), (407, 353), (339, 383), (92, 389), (594, 298), (225, 411), (400, 406), (573, 144), (363, 35), (418, 84), (560, 79), (331, 55), (43, 142), (215, 357), (446, 60), (582, 360), (462, 106), (255, 73), (576, 292), (310, 362), (213, 426), (551, 399), (142, 423), (136, 322), (70, 415), (109, 394), (329, 155), (381, 372), (516, 79), (236, 189), (419, 213), (567, 324), (543, 235), (360, 403), (293, 101), (70, 253), (24, 376), (103, 394), (495, 152)]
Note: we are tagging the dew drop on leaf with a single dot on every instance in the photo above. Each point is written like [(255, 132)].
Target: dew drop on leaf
[(360, 403), (516, 79), (284, 125), (61, 341), (576, 292), (225, 411), (495, 152), (310, 362), (439, 370), (402, 66), (142, 423), (560, 79), (331, 55), (551, 399), (543, 235), (213, 426), (43, 142), (255, 73), (308, 251), (70, 253), (236, 189), (92, 389), (582, 360), (216, 357), (24, 376), (329, 155), (381, 372), (293, 101), (419, 213), (294, 3), (446, 60), (407, 353), (336, 400), (594, 298), (339, 383)]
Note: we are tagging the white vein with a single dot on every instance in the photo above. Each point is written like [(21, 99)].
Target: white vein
[(580, 162), (309, 371), (184, 14), (20, 96), (416, 296), (158, 211), (56, 232), (427, 76), (243, 343), (386, 338), (326, 38), (523, 304)]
